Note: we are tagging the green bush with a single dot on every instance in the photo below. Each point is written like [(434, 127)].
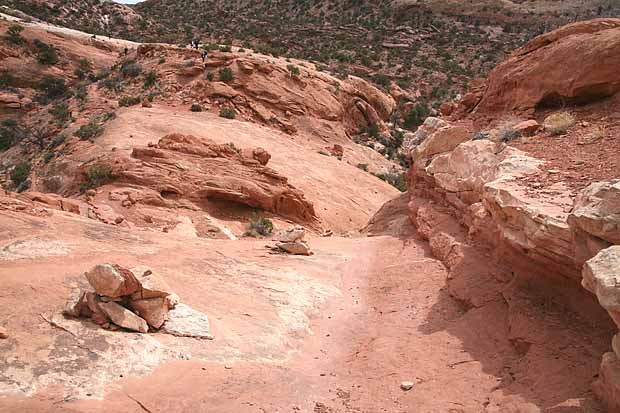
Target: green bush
[(46, 54), (13, 34), (7, 79), (226, 74), (89, 131), (227, 113), (195, 108), (61, 113), (20, 173), (127, 101), (150, 79), (53, 87), (260, 226), (95, 177)]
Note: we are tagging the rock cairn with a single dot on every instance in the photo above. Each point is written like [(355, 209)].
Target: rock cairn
[(136, 300)]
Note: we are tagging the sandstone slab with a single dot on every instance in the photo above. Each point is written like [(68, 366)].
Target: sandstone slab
[(184, 321)]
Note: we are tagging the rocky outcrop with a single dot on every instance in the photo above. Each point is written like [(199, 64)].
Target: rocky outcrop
[(186, 167), (538, 234), (267, 91), (576, 63)]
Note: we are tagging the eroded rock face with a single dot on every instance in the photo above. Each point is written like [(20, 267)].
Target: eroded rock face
[(197, 169), (577, 63)]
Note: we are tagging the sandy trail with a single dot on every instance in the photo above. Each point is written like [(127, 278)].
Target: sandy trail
[(335, 332)]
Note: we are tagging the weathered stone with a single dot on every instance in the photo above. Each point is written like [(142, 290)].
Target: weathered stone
[(601, 276), (75, 303), (292, 235), (295, 248), (122, 317), (153, 310), (607, 386), (112, 280), (184, 321), (93, 305)]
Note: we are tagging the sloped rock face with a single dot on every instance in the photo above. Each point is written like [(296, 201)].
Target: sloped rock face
[(264, 89), (187, 167), (576, 63)]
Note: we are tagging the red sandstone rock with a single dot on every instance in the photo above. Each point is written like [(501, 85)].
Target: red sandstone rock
[(578, 63)]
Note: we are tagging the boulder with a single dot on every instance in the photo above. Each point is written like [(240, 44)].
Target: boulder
[(75, 303), (112, 281), (576, 63), (184, 321), (601, 276), (292, 235), (122, 317), (153, 310), (527, 127), (295, 248), (597, 211)]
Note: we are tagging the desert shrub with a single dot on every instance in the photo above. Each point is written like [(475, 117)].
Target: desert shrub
[(130, 68), (293, 70), (150, 79), (61, 113), (373, 130), (89, 131), (95, 177), (397, 179), (416, 116), (7, 79), (260, 226), (53, 87), (46, 54), (19, 174), (559, 123), (13, 34), (227, 113), (127, 101), (226, 74), (195, 107)]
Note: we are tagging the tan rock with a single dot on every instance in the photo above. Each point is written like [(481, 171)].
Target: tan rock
[(295, 248), (122, 317), (75, 303), (112, 280), (153, 310)]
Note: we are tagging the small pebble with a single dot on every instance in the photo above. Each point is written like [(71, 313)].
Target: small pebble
[(406, 385)]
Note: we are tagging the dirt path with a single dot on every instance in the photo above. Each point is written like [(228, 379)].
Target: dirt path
[(393, 321)]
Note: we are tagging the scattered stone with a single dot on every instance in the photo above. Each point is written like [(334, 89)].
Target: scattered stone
[(123, 317), (292, 235), (295, 248), (3, 334), (153, 310), (406, 385), (75, 303), (184, 321), (112, 281)]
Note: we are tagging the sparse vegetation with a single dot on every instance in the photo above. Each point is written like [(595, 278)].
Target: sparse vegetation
[(227, 113), (89, 131), (259, 226), (13, 34), (226, 74), (127, 101), (559, 123), (20, 174), (95, 177)]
